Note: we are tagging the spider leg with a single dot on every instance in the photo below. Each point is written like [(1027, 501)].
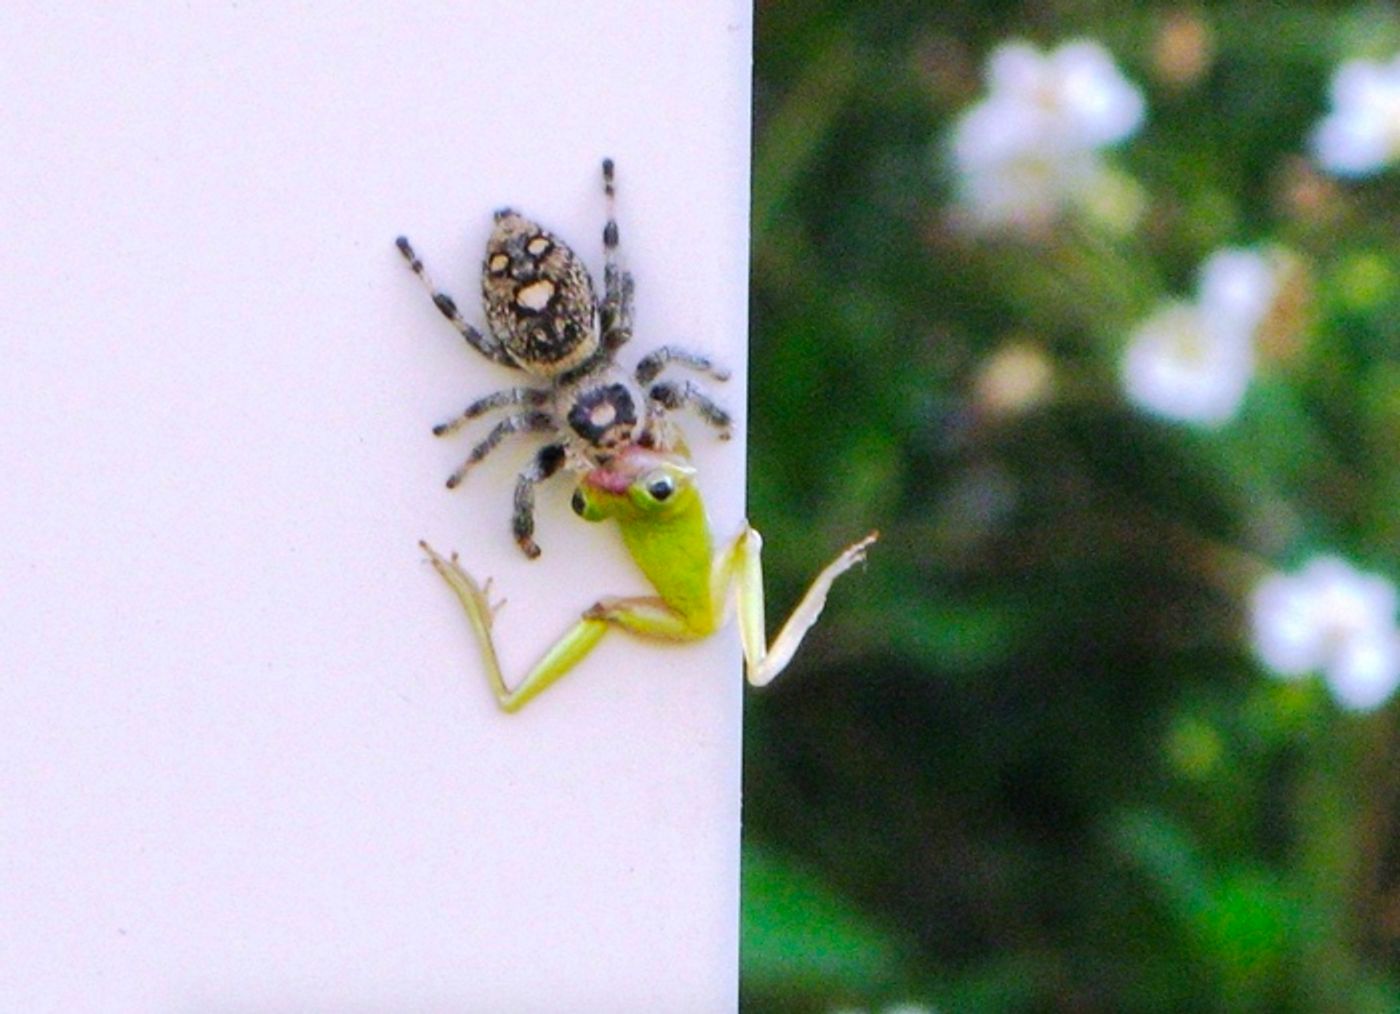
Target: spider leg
[(615, 311), (524, 422), (546, 463), (671, 396), (653, 363), (487, 346), (533, 397)]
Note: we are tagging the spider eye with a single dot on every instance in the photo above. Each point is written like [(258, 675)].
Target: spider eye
[(577, 503), (661, 487)]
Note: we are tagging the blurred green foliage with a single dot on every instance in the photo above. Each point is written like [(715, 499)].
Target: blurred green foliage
[(1028, 761)]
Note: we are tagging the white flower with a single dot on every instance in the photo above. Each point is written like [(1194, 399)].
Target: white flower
[(1180, 366), (1076, 91), (1237, 287), (1361, 135), (1029, 149), (1332, 618), (1192, 361), (1004, 178)]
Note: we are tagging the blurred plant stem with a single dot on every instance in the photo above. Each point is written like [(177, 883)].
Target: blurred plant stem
[(1377, 904), (793, 133), (1332, 820)]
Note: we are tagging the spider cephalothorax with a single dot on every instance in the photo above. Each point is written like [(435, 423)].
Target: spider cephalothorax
[(545, 320), (604, 417)]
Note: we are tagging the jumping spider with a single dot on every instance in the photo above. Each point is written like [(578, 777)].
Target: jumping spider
[(544, 320)]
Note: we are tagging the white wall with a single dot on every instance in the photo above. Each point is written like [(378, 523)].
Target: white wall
[(247, 758)]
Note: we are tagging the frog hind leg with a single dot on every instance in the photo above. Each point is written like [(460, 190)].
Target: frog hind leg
[(740, 567), (646, 617)]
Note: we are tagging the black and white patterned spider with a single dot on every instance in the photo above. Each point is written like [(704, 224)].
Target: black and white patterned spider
[(544, 320)]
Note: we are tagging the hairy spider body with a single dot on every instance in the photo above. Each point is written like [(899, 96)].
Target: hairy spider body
[(538, 298), (544, 319)]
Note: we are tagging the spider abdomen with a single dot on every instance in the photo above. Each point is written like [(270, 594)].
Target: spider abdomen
[(538, 297)]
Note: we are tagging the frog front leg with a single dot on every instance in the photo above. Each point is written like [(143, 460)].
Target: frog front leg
[(644, 616), (739, 570)]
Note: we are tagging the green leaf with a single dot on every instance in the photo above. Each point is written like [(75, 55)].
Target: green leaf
[(798, 933)]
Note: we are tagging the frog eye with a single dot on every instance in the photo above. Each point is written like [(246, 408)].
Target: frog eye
[(577, 503), (661, 487)]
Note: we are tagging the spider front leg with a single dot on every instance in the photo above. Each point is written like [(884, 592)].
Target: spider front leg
[(740, 569), (615, 311), (447, 306), (671, 396), (533, 397), (525, 422), (647, 617), (651, 365), (548, 461)]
